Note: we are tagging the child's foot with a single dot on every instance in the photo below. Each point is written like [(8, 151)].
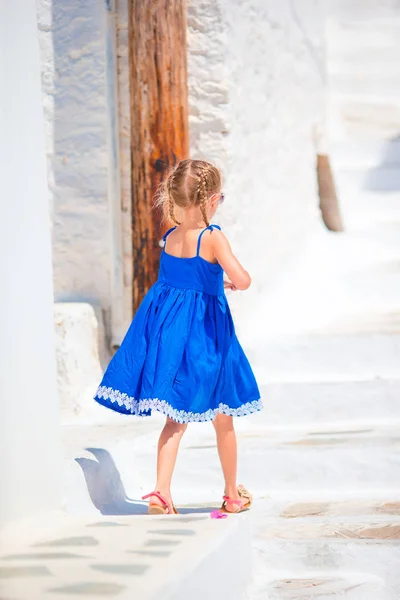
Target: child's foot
[(160, 503), (237, 501)]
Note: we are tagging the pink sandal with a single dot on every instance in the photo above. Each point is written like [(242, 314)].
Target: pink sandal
[(243, 503), (156, 509)]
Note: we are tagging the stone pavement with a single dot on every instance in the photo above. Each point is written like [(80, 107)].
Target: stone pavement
[(125, 557), (326, 519), (347, 549)]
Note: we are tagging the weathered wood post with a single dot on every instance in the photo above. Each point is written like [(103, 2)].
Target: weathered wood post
[(159, 121)]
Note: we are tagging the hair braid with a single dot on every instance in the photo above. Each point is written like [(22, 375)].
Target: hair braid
[(202, 194), (189, 184), (171, 204)]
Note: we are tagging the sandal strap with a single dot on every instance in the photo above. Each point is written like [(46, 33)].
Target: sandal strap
[(161, 498), (231, 501)]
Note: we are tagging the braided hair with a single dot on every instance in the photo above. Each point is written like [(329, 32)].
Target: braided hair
[(202, 193), (171, 205), (191, 183)]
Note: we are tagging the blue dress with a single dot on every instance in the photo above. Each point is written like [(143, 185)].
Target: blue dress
[(181, 355)]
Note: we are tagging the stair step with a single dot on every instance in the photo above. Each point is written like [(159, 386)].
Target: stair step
[(326, 357), (358, 11), (321, 550), (274, 461), (314, 558), (301, 587), (370, 29), (363, 113), (379, 179), (304, 403), (280, 462), (364, 154)]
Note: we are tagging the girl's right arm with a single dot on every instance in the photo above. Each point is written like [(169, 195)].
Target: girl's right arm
[(228, 261)]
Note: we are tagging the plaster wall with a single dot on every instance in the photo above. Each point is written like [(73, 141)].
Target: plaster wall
[(256, 95), (29, 436), (80, 88)]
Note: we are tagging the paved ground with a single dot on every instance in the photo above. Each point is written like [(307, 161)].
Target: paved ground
[(123, 557), (326, 520)]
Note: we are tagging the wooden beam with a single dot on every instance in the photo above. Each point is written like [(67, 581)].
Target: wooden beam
[(159, 121)]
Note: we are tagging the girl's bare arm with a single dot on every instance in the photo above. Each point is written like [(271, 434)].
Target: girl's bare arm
[(228, 261)]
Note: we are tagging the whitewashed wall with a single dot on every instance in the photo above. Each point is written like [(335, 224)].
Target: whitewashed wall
[(80, 86), (29, 435), (125, 156), (256, 93)]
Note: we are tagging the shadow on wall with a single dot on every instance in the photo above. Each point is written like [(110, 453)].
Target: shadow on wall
[(386, 176), (107, 491)]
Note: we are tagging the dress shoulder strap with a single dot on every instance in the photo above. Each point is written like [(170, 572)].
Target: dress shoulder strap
[(209, 228), (164, 237)]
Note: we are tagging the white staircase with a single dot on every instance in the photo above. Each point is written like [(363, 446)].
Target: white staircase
[(326, 449)]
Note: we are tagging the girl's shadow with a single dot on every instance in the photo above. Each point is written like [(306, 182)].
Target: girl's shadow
[(105, 485), (107, 491)]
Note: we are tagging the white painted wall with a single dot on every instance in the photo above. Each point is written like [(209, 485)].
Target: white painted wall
[(256, 95), (124, 115), (79, 76), (29, 436)]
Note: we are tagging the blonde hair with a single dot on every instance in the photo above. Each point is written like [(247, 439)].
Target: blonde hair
[(191, 183)]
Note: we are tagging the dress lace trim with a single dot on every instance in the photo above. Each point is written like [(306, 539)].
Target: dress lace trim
[(140, 407)]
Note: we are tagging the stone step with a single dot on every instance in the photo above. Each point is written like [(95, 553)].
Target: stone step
[(362, 47), (326, 357), (307, 586), (364, 83), (350, 154), (370, 30), (378, 179), (359, 10), (172, 557), (356, 59), (369, 211), (372, 213), (301, 554), (371, 111), (314, 322), (332, 510), (281, 462), (300, 404)]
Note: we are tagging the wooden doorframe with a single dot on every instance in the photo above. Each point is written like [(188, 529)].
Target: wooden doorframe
[(159, 122)]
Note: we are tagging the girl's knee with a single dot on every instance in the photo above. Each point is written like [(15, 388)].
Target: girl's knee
[(223, 422), (175, 427)]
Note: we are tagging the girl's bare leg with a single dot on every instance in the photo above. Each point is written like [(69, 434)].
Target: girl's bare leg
[(227, 451), (168, 445)]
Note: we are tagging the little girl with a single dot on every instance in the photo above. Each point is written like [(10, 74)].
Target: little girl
[(181, 355)]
